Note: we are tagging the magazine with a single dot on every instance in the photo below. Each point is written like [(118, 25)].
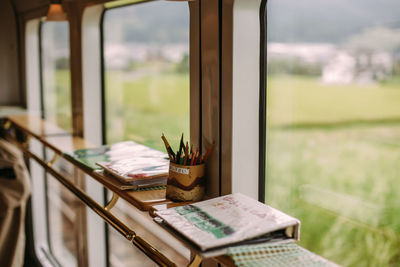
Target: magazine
[(230, 220), (134, 163), (88, 157), (129, 162)]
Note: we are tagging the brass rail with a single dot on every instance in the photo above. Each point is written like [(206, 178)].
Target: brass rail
[(153, 253), (112, 202), (107, 216), (103, 212), (129, 234)]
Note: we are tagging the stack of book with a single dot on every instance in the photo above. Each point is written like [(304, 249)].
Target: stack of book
[(132, 164)]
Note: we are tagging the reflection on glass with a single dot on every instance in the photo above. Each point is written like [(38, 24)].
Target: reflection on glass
[(63, 217), (61, 223), (124, 253), (333, 125), (62, 205), (56, 73), (146, 50)]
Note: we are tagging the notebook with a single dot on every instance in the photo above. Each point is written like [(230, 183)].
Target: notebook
[(235, 219)]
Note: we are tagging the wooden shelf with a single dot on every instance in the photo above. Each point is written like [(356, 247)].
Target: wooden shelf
[(35, 126), (62, 142)]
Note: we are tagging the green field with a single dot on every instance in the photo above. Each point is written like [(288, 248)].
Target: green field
[(295, 100), (333, 162), (142, 108), (57, 98)]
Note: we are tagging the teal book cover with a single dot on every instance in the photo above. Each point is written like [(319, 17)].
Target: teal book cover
[(88, 157)]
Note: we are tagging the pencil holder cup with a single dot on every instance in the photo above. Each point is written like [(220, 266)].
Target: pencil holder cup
[(185, 183)]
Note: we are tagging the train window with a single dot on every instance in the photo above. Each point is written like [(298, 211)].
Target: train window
[(146, 72), (333, 125), (146, 87), (56, 88), (56, 104)]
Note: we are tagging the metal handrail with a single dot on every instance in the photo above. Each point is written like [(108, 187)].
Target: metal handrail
[(129, 234), (103, 212)]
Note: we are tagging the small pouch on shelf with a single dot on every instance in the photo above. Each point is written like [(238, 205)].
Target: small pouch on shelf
[(185, 183)]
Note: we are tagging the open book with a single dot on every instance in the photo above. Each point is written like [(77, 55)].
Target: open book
[(229, 220)]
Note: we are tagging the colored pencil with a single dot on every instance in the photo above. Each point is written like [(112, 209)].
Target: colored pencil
[(196, 157), (190, 160), (181, 146), (186, 153), (171, 153), (193, 158)]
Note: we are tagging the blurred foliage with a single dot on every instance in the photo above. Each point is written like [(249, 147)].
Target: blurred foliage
[(183, 65), (144, 106), (62, 63)]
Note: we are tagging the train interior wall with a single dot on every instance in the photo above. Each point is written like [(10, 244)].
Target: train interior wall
[(10, 89)]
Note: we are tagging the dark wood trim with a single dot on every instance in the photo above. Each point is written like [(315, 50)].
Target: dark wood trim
[(22, 59), (20, 54), (34, 13), (195, 74), (210, 92), (226, 95), (75, 12)]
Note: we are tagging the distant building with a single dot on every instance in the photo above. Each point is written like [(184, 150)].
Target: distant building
[(339, 65), (308, 52), (345, 68), (121, 56), (340, 69)]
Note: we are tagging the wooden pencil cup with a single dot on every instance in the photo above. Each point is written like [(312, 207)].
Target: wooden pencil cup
[(185, 183)]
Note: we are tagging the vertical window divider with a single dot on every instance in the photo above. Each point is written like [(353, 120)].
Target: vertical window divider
[(104, 127), (263, 103)]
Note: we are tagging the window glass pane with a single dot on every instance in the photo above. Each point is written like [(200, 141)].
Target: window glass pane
[(146, 72), (56, 73), (333, 125), (146, 50), (124, 253), (61, 204), (63, 217)]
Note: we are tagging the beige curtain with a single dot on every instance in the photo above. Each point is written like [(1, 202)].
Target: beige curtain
[(14, 192)]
